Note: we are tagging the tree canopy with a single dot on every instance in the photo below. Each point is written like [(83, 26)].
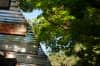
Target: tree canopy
[(71, 26)]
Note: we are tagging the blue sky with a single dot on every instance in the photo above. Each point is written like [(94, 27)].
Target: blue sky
[(33, 14)]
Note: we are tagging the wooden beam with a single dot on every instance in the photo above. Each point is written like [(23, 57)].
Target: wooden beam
[(13, 4), (11, 15), (10, 21), (13, 19), (10, 12)]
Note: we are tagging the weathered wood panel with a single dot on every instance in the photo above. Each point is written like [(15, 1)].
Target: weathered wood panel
[(31, 59), (4, 4), (10, 28)]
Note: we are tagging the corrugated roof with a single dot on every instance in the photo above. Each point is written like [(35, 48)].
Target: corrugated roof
[(13, 15)]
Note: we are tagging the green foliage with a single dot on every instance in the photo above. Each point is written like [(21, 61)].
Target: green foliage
[(71, 26)]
